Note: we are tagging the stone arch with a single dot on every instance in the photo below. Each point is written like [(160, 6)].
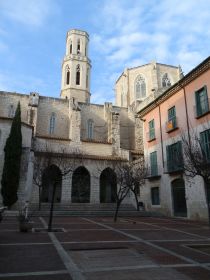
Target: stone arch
[(80, 185), (178, 197), (108, 186), (51, 178)]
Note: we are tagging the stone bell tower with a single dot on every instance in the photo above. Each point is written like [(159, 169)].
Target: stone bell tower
[(76, 67)]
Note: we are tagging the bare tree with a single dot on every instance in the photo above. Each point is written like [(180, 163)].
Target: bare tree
[(137, 173), (130, 176), (66, 161), (197, 160)]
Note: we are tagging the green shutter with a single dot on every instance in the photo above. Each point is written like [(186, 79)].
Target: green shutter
[(153, 163), (168, 157), (180, 157), (151, 129)]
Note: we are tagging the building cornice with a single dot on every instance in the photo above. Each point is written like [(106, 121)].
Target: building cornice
[(192, 75)]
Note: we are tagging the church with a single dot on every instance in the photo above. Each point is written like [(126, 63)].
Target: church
[(72, 134)]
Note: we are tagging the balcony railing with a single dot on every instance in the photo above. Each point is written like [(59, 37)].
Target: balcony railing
[(151, 135), (171, 124), (202, 108)]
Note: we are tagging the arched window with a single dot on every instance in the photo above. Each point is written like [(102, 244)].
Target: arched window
[(140, 87), (70, 48), (78, 46), (166, 81), (78, 75), (11, 111), (90, 125), (52, 123), (85, 49), (87, 78), (67, 75)]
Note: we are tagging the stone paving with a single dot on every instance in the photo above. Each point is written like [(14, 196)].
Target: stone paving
[(139, 248)]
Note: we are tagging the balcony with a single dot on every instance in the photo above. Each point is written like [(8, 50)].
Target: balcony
[(202, 108), (171, 124), (174, 166), (151, 135), (153, 172)]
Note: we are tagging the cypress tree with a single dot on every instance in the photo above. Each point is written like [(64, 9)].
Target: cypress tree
[(12, 158)]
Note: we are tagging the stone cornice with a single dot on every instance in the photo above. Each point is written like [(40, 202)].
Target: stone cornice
[(79, 156), (51, 137), (95, 141)]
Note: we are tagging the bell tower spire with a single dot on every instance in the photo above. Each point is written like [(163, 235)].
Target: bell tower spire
[(76, 67)]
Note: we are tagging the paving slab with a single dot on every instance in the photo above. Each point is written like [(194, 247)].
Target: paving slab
[(28, 258), (141, 274), (94, 235), (40, 277)]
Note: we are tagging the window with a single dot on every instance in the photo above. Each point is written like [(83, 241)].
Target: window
[(172, 121), (166, 81), (174, 157), (67, 75), (155, 196), (151, 130), (70, 49), (153, 164), (85, 49), (140, 87), (87, 76), (11, 111), (90, 129), (78, 46), (205, 143), (202, 104), (78, 75), (52, 123)]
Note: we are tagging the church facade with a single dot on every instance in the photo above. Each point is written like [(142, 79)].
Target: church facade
[(72, 133)]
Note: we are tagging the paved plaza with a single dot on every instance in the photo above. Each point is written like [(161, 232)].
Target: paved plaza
[(96, 248)]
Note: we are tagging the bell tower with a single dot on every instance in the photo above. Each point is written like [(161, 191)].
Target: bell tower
[(76, 67)]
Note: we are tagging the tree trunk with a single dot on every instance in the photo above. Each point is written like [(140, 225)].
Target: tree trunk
[(51, 208), (137, 202), (39, 198), (117, 210)]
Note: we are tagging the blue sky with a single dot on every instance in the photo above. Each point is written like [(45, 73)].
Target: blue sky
[(122, 34)]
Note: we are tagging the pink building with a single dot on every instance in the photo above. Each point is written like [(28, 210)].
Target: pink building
[(181, 109)]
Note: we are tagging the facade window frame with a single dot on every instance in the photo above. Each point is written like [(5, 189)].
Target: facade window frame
[(151, 130), (174, 157), (153, 164), (171, 124), (155, 196), (202, 102), (205, 143), (52, 123)]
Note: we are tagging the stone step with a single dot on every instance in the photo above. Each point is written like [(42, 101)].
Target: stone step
[(83, 207)]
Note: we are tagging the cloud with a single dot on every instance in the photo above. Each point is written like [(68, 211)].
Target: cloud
[(169, 32), (30, 13)]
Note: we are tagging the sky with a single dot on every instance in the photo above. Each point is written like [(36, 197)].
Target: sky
[(122, 34)]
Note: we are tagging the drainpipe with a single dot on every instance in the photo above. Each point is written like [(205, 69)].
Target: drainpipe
[(186, 112), (161, 136)]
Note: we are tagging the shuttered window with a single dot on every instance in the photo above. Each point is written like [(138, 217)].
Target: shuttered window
[(174, 157), (202, 104)]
